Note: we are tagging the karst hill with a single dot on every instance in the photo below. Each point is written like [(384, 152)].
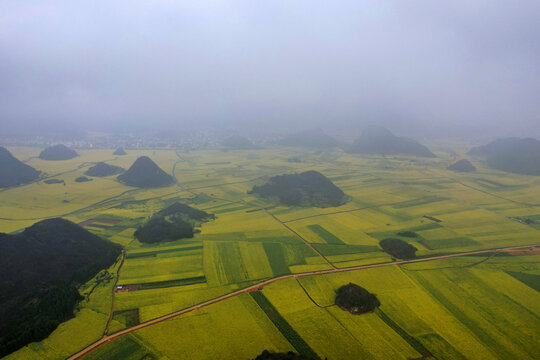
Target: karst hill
[(120, 151), (58, 152), (310, 188), (381, 141), (14, 172), (516, 155), (177, 221), (145, 173)]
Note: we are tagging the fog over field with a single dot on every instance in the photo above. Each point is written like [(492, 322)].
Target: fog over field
[(418, 67)]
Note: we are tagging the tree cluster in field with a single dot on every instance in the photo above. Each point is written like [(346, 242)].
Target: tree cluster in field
[(309, 188), (355, 299), (176, 221), (41, 269), (82, 179), (526, 221), (14, 172), (521, 156), (102, 169), (398, 248), (54, 181), (462, 165), (270, 355)]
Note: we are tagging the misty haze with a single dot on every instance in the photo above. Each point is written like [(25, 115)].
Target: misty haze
[(269, 180)]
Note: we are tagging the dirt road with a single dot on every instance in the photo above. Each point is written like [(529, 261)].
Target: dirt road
[(258, 286), (113, 292)]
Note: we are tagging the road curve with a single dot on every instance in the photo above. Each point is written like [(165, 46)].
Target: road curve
[(108, 338)]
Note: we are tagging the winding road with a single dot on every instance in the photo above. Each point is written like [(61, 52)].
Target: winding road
[(108, 338)]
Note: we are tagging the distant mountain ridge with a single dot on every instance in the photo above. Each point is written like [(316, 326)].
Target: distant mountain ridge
[(381, 141), (516, 155), (14, 172), (145, 173)]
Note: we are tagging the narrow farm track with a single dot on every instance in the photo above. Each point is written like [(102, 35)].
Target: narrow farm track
[(344, 211), (108, 338), (301, 238), (310, 298), (190, 190), (113, 292)]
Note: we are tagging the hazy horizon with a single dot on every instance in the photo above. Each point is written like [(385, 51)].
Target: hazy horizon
[(420, 67)]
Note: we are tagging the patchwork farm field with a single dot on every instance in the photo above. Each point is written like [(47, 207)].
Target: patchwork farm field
[(481, 306)]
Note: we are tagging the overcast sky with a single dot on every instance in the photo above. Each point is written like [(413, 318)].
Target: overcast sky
[(435, 65)]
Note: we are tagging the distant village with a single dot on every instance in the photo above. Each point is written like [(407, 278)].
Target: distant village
[(187, 141)]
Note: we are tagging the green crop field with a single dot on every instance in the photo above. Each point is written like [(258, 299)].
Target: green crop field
[(471, 307)]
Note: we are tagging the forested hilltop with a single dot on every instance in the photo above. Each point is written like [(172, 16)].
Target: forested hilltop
[(102, 169), (176, 221), (41, 269), (462, 165), (57, 153), (310, 188)]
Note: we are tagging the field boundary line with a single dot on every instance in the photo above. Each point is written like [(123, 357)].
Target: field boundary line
[(343, 211), (310, 298), (256, 287), (301, 238), (101, 202)]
